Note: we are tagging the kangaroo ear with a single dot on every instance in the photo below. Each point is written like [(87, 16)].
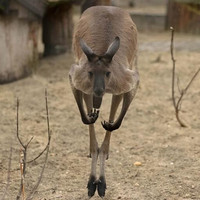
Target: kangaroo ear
[(87, 50), (112, 49)]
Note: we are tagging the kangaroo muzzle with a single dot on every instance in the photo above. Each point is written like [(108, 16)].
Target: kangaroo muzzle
[(99, 86)]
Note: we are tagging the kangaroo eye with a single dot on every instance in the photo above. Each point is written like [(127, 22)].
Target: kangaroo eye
[(90, 74), (107, 74)]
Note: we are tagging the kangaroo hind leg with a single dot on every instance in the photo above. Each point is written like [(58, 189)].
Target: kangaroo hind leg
[(93, 148), (104, 150)]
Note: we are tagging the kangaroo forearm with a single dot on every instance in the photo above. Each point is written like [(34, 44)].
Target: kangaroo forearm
[(78, 95), (127, 99), (115, 125), (86, 119)]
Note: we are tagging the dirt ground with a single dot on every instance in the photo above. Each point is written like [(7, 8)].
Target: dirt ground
[(150, 134)]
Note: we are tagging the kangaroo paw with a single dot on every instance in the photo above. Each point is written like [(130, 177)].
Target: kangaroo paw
[(91, 186), (101, 186)]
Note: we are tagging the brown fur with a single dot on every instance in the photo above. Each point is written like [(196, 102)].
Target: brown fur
[(104, 44), (98, 27)]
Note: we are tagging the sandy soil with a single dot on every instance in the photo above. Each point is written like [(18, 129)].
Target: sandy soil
[(149, 134)]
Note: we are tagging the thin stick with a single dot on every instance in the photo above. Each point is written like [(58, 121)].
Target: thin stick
[(23, 161), (48, 130), (22, 169), (30, 196), (47, 113), (173, 79), (190, 82), (18, 125), (174, 65), (177, 104), (23, 153), (23, 146), (34, 159), (8, 175), (185, 90)]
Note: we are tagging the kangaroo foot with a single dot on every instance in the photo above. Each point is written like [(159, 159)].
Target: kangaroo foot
[(101, 186), (91, 186)]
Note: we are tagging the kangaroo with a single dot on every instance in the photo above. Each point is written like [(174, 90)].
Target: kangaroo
[(105, 46)]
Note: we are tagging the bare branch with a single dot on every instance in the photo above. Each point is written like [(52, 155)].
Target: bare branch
[(186, 88), (29, 142), (34, 159), (177, 104), (22, 170), (18, 124), (48, 130), (178, 85), (21, 161), (30, 196), (190, 82), (8, 175), (23, 154), (173, 69)]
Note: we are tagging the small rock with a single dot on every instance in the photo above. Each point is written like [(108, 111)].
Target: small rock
[(137, 163)]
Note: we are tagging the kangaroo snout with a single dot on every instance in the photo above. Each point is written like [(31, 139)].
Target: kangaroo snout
[(98, 92)]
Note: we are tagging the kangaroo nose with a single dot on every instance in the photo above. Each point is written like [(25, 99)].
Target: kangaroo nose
[(99, 92)]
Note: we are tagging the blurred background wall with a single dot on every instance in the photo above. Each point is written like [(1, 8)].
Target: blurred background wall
[(30, 28)]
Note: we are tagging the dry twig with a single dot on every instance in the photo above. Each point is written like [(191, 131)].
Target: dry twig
[(30, 196), (8, 175), (23, 155), (177, 104)]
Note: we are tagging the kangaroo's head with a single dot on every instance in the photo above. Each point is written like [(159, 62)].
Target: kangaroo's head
[(99, 71)]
